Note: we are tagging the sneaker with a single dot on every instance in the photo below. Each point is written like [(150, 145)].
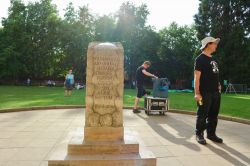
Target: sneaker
[(200, 139), (135, 110), (215, 138)]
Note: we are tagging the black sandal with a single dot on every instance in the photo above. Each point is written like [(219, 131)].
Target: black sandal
[(136, 110)]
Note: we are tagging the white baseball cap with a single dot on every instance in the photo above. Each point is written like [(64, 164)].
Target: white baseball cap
[(207, 40)]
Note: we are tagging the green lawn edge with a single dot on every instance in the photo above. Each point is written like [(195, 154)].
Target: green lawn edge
[(233, 106)]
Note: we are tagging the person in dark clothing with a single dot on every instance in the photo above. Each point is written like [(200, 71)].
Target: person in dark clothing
[(141, 73), (207, 91)]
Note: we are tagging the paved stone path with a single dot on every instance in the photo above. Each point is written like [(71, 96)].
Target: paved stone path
[(29, 138)]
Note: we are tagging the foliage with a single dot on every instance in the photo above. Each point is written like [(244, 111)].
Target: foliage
[(228, 20), (76, 33), (13, 41), (178, 45), (105, 28), (140, 42), (39, 44), (36, 43)]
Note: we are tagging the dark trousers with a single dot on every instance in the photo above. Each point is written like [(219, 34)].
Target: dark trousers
[(207, 113)]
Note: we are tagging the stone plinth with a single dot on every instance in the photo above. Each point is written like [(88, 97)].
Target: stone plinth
[(103, 143), (79, 147), (146, 159)]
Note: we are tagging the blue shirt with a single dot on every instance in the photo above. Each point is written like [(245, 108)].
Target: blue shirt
[(70, 78)]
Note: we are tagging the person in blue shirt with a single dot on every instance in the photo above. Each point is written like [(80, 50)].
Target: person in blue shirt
[(69, 83)]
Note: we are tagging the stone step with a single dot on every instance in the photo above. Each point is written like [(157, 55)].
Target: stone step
[(145, 158), (79, 147)]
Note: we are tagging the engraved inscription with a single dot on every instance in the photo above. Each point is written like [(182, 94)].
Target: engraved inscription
[(104, 85)]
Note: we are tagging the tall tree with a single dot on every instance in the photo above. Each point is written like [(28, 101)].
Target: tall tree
[(42, 27), (70, 14), (178, 45), (13, 41), (229, 20), (76, 33), (132, 32), (105, 28)]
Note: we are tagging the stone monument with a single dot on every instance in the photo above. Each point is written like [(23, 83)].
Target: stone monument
[(104, 95), (103, 143)]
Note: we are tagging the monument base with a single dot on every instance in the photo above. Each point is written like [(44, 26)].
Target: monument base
[(79, 147), (102, 153), (103, 133), (105, 160)]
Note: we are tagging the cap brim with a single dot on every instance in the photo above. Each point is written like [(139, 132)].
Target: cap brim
[(217, 40)]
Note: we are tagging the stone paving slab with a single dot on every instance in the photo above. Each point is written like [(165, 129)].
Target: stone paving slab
[(29, 138)]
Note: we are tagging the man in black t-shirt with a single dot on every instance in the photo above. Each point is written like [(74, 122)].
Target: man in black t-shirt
[(207, 91), (141, 73)]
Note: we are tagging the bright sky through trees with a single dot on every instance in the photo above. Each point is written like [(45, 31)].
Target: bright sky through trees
[(162, 12)]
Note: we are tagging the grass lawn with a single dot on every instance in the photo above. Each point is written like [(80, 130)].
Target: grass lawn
[(20, 96)]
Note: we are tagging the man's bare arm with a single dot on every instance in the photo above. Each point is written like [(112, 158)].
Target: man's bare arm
[(197, 75), (148, 74)]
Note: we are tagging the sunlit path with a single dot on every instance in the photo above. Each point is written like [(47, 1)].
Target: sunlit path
[(29, 138)]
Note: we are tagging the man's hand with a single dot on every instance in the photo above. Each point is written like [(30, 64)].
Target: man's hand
[(155, 76), (219, 87), (198, 97)]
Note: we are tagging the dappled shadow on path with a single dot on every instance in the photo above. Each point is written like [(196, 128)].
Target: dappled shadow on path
[(226, 152), (184, 134), (155, 122)]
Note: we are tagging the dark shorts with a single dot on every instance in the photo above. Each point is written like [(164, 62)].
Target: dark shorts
[(140, 91), (68, 87)]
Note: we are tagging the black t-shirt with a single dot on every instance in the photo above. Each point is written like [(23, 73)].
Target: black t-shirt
[(208, 67), (140, 76)]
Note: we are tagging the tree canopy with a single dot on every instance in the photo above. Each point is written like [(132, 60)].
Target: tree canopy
[(230, 21), (36, 42)]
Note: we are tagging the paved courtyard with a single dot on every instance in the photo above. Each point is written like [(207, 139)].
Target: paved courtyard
[(29, 138)]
